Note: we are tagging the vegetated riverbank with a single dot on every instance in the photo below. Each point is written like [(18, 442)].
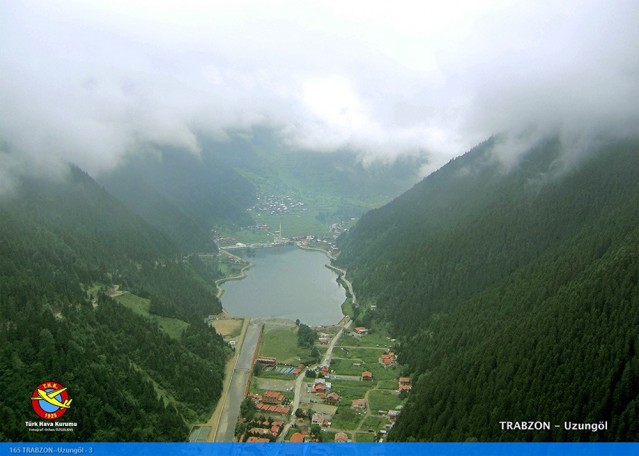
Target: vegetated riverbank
[(350, 301), (240, 276)]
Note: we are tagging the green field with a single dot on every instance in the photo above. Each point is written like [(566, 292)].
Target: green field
[(388, 384), (172, 326), (365, 437), (345, 366), (374, 422), (351, 390), (328, 436), (281, 343), (346, 418), (383, 400), (377, 339), (369, 359), (347, 307)]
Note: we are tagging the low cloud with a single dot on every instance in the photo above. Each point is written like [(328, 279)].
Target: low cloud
[(89, 82)]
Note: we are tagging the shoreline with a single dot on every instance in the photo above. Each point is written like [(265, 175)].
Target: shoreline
[(341, 276), (240, 276)]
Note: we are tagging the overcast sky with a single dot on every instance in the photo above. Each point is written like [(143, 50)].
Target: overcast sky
[(89, 81)]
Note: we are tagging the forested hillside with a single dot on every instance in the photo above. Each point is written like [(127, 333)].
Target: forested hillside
[(182, 195), (62, 245), (521, 285)]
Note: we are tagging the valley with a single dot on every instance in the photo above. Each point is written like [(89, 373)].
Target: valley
[(350, 407)]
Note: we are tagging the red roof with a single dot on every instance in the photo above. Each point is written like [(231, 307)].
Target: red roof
[(298, 437), (359, 403), (256, 439), (388, 359), (366, 375)]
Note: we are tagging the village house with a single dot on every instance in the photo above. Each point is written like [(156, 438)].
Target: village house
[(272, 398), (266, 360), (298, 369), (361, 330), (332, 398), (404, 384), (387, 359), (276, 427), (392, 414), (259, 431), (319, 388), (341, 437), (320, 419), (323, 340), (253, 439), (359, 404), (367, 376), (283, 409), (298, 437)]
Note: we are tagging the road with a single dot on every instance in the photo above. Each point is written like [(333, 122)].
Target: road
[(294, 405), (241, 374), (342, 273), (329, 352)]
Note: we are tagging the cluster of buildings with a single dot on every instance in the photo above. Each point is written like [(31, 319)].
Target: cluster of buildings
[(264, 431), (300, 437), (276, 204), (321, 388), (271, 402)]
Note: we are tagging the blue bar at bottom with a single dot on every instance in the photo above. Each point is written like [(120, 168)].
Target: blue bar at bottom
[(320, 449)]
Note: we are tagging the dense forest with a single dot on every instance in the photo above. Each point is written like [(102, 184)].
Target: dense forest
[(182, 194), (522, 287), (63, 244)]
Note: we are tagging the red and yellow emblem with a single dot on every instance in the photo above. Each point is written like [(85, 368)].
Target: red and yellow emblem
[(50, 400)]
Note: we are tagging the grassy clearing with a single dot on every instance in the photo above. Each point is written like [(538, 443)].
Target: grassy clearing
[(94, 288), (281, 343), (377, 339), (388, 384), (346, 367), (369, 356), (171, 326), (346, 418), (347, 307), (365, 437), (328, 436), (350, 390), (374, 422), (160, 393), (383, 400)]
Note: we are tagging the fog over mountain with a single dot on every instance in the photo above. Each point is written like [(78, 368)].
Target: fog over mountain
[(88, 82)]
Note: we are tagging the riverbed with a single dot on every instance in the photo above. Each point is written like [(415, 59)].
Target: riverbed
[(286, 282)]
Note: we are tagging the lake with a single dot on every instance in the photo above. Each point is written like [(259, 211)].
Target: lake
[(286, 282)]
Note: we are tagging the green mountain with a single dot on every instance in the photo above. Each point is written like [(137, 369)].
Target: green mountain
[(62, 245), (334, 186), (185, 196), (514, 293), (182, 195)]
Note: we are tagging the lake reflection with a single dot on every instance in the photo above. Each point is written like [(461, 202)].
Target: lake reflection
[(286, 282)]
